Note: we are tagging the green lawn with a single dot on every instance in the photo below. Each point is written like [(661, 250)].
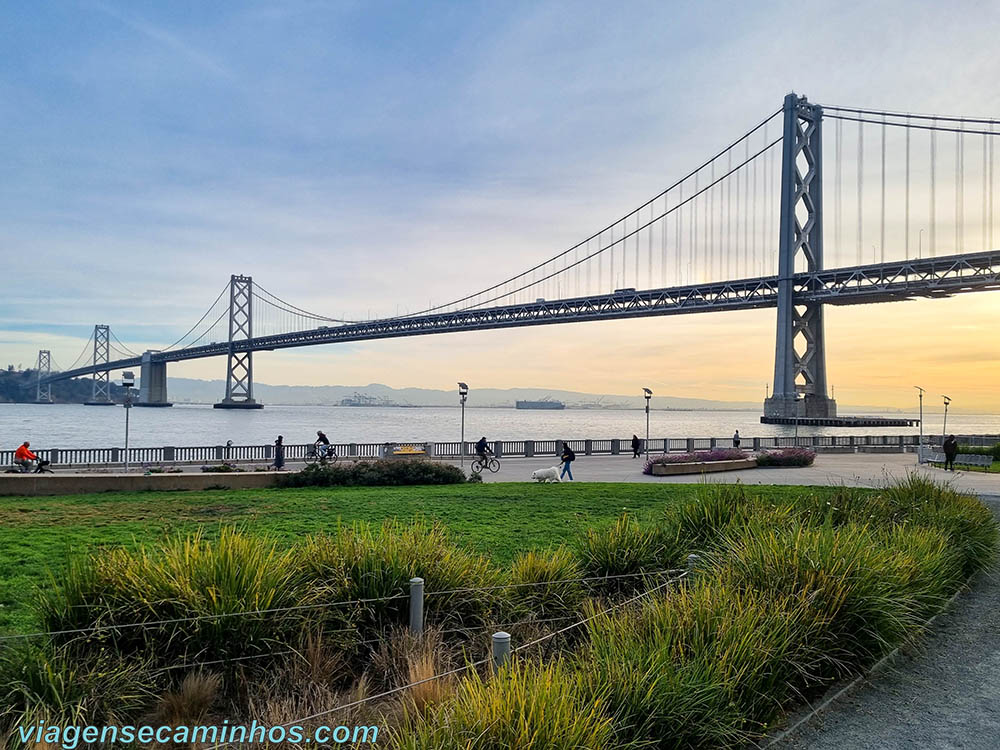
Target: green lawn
[(38, 534)]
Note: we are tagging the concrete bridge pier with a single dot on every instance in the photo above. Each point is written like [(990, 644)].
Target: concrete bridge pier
[(152, 382)]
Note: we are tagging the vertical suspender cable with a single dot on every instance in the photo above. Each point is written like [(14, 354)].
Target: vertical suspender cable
[(736, 244), (882, 220), (711, 224), (986, 140), (990, 210), (746, 209), (663, 246), (906, 211), (838, 215), (753, 219), (861, 175), (649, 248), (958, 193), (693, 253), (678, 231), (729, 216), (933, 233)]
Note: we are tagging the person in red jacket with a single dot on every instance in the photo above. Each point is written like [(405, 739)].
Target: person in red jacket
[(23, 456)]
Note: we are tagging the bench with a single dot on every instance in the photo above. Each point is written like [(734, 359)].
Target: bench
[(963, 459)]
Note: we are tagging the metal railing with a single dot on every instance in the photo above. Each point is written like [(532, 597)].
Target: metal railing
[(451, 450)]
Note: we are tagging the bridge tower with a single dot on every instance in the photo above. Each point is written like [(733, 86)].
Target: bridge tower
[(800, 387), (102, 379), (239, 371), (43, 393)]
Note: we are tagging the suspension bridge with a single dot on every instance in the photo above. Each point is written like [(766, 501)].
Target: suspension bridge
[(743, 230)]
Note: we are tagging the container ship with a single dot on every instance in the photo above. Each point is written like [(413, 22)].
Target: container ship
[(545, 403)]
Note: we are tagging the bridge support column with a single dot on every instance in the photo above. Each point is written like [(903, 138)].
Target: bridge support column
[(101, 395), (43, 392), (239, 371), (800, 349), (152, 382)]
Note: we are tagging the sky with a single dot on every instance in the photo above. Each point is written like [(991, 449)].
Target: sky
[(359, 158)]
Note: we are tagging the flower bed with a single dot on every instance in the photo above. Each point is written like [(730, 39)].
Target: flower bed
[(787, 457), (716, 454)]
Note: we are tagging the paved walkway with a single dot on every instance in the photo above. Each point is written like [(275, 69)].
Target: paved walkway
[(849, 469), (945, 694)]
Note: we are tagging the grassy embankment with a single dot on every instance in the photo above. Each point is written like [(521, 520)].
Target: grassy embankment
[(498, 520)]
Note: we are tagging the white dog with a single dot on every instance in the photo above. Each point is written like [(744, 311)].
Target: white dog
[(546, 475)]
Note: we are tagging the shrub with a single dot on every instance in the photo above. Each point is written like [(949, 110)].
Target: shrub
[(222, 468), (532, 569), (786, 457), (981, 450), (374, 473), (716, 454), (523, 706)]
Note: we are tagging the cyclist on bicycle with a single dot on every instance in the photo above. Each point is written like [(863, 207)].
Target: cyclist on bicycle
[(482, 449), (322, 443)]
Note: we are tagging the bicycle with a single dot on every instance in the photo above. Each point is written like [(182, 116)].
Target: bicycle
[(323, 454), (490, 462)]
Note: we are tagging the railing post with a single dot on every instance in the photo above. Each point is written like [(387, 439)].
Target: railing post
[(529, 448), (497, 448), (559, 447), (115, 455), (615, 446), (54, 455), (588, 447), (352, 450), (168, 453), (501, 649), (713, 443), (417, 606), (690, 445), (756, 444)]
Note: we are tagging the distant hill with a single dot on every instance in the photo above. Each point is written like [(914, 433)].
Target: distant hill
[(187, 390)]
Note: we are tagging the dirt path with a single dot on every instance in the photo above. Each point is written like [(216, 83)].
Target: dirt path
[(943, 694)]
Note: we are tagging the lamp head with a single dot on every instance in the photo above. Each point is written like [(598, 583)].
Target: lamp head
[(648, 392), (128, 379), (463, 389)]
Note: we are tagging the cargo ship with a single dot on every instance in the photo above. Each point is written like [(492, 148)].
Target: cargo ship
[(545, 403)]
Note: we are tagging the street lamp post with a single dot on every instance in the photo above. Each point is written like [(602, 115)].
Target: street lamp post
[(463, 393), (649, 394), (920, 444), (128, 380), (944, 429)]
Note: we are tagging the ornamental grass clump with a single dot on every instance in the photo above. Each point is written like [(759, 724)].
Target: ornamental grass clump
[(194, 598), (716, 454), (707, 666), (369, 562), (627, 549), (524, 705), (546, 583), (866, 584)]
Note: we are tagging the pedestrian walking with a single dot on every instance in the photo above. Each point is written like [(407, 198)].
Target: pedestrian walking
[(636, 446), (950, 447), (736, 439), (568, 457), (279, 453)]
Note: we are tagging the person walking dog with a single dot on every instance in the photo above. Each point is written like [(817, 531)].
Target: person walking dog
[(568, 457)]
